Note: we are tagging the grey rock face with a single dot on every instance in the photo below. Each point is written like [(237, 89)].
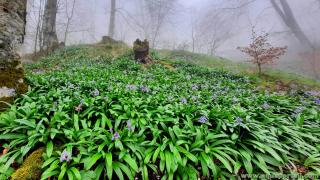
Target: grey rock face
[(12, 30)]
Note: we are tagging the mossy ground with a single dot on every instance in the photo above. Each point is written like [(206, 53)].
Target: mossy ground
[(31, 167), (10, 77)]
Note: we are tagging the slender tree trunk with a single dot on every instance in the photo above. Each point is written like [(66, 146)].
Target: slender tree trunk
[(259, 69), (12, 31), (112, 19), (69, 18), (49, 35), (286, 14), (38, 32)]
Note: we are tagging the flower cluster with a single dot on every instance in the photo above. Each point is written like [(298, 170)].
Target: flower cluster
[(265, 105), (194, 87), (96, 92), (65, 156), (144, 89), (203, 119), (131, 87), (238, 122), (183, 100), (115, 136), (129, 125)]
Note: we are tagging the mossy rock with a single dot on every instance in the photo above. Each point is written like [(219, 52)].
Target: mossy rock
[(12, 76), (31, 167)]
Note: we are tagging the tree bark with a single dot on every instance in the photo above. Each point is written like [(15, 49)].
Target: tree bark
[(112, 19), (141, 51), (12, 31), (49, 34), (286, 14)]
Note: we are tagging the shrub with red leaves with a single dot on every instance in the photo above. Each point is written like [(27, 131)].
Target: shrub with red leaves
[(261, 51)]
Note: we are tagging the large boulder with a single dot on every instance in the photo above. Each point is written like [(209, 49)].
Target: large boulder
[(12, 30)]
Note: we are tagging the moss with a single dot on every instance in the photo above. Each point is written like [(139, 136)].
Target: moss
[(140, 45), (31, 167), (10, 76)]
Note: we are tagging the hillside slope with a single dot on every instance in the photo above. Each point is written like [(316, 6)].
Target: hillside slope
[(270, 75), (100, 114)]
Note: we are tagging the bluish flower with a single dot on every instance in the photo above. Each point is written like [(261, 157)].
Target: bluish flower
[(111, 130), (214, 97), (265, 105), (194, 87), (183, 100), (65, 156), (317, 101), (129, 125), (303, 102), (144, 89), (203, 119), (131, 87), (239, 121), (298, 110), (96, 92), (115, 136)]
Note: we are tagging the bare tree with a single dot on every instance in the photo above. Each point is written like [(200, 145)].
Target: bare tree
[(285, 12), (158, 11), (69, 19), (215, 27), (49, 35), (38, 28), (112, 19)]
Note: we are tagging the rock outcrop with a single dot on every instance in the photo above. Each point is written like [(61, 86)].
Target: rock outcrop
[(12, 30)]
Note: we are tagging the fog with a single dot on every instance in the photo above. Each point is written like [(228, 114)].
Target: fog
[(213, 27)]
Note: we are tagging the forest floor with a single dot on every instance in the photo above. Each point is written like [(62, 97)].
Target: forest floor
[(92, 112)]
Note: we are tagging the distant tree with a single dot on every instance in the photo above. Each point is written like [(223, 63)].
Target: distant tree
[(38, 34), (158, 12), (49, 35), (285, 12), (112, 19), (261, 51), (69, 15)]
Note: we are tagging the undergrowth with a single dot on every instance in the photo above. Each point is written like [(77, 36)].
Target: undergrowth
[(106, 117)]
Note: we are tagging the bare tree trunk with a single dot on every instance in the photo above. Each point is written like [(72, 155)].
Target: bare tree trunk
[(288, 18), (112, 19), (49, 35), (259, 69), (38, 32), (12, 31), (69, 18)]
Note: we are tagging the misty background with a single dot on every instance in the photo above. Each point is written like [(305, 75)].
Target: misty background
[(213, 27)]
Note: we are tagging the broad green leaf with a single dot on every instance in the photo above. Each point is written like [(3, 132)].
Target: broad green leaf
[(132, 163), (49, 148)]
